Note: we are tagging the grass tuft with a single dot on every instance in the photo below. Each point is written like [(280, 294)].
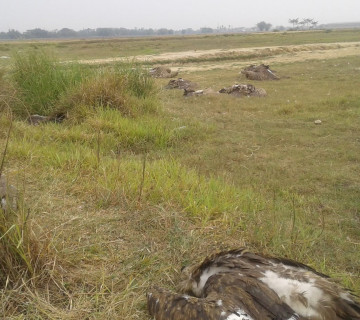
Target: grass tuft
[(123, 88), (40, 80)]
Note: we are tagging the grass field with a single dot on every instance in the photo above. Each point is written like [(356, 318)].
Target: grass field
[(130, 47), (112, 203)]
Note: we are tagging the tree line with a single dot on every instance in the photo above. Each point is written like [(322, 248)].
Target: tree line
[(66, 33), (305, 23), (297, 24), (39, 33)]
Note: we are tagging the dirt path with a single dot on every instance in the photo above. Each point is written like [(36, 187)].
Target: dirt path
[(211, 59)]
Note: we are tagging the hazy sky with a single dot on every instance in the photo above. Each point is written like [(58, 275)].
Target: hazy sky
[(23, 15)]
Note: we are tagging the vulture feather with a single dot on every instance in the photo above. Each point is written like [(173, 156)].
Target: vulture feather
[(240, 285)]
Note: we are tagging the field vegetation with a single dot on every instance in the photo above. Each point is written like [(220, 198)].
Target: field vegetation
[(130, 47), (139, 180)]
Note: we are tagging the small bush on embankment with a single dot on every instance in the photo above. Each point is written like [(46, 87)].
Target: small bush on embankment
[(117, 104), (47, 87), (41, 80), (127, 90)]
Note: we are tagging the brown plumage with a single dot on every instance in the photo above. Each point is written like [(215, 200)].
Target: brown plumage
[(244, 90), (240, 285), (261, 72), (162, 72), (181, 83)]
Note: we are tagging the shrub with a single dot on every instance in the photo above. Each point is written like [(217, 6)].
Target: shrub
[(47, 87), (130, 91), (41, 80), (138, 82)]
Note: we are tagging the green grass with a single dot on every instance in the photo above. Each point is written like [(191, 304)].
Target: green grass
[(40, 81), (128, 93), (120, 202), (48, 88), (273, 146), (129, 47)]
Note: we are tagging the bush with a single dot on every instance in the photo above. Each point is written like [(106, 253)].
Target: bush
[(47, 87), (41, 80), (138, 82), (128, 90)]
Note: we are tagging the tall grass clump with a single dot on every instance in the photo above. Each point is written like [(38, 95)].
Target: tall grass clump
[(28, 264), (138, 81), (41, 80), (127, 90), (47, 87), (16, 247), (14, 236), (7, 92), (27, 261)]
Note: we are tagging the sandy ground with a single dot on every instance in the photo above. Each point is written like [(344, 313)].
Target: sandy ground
[(267, 55)]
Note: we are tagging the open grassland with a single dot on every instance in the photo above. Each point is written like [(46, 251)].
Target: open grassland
[(116, 199), (130, 47)]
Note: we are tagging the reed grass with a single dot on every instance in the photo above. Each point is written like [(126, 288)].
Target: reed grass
[(40, 81)]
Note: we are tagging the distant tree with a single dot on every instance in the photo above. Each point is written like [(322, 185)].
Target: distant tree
[(86, 33), (263, 26), (279, 28), (66, 33), (36, 33), (221, 29), (164, 31), (302, 24), (13, 34), (104, 32), (149, 32), (187, 31), (314, 24), (294, 22), (307, 22), (206, 30), (124, 31)]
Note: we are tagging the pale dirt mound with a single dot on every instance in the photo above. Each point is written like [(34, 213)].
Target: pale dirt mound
[(260, 73), (244, 90), (162, 72), (181, 84)]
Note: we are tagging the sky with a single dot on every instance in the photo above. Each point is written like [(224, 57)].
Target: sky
[(51, 15)]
